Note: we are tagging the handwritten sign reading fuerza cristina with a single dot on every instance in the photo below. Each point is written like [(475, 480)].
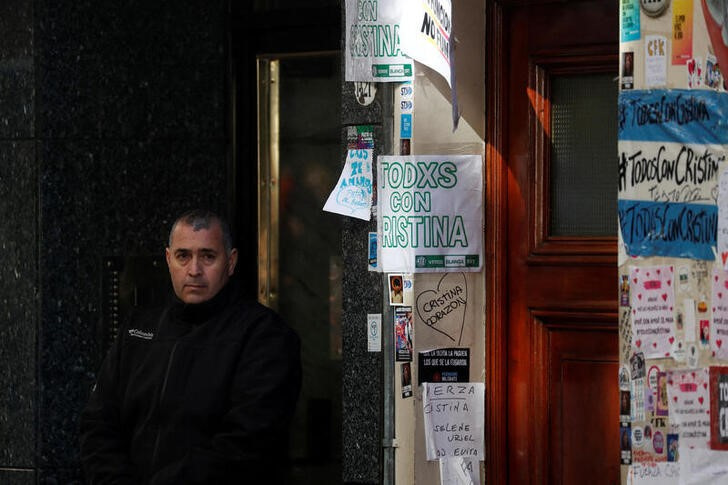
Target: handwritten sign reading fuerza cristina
[(454, 419)]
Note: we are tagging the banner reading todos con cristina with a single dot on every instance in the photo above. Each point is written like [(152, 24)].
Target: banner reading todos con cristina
[(431, 213)]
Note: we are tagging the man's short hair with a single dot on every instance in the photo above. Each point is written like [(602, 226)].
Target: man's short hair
[(203, 219)]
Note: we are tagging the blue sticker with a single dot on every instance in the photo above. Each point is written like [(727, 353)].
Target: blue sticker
[(688, 116), (405, 127), (670, 229)]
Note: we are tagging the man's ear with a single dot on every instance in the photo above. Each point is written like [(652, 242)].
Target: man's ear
[(232, 261), (167, 255)]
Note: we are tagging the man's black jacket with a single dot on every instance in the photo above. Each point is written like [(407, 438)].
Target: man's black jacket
[(194, 394)]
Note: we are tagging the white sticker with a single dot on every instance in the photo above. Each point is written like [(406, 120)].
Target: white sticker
[(374, 332)]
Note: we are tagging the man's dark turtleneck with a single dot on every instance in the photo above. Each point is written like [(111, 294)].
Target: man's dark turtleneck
[(197, 313)]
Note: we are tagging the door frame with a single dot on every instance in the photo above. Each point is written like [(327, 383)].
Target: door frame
[(496, 234)]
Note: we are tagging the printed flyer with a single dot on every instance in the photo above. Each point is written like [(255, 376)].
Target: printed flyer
[(431, 213)]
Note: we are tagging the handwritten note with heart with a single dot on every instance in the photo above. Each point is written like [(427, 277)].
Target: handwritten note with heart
[(719, 308), (652, 298), (689, 401), (442, 308)]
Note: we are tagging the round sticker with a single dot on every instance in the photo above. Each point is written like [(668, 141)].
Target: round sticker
[(658, 442), (654, 8)]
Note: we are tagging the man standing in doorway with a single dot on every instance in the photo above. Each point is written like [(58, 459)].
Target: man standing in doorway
[(201, 391)]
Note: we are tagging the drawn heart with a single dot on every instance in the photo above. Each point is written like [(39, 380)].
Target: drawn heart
[(639, 296), (668, 282), (671, 339), (648, 274), (674, 398), (705, 385), (664, 297), (658, 271), (654, 344), (635, 281), (718, 342), (638, 342), (720, 294), (443, 309), (700, 399)]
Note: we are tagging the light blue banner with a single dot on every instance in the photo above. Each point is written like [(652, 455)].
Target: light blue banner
[(676, 115), (676, 230)]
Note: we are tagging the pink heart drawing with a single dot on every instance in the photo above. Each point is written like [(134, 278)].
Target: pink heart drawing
[(443, 309), (718, 342), (700, 399), (664, 297), (671, 339), (654, 344), (638, 343), (674, 398)]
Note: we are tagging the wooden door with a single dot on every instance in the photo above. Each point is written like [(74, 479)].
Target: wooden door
[(552, 303)]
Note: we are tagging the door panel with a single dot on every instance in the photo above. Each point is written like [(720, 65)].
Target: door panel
[(559, 306)]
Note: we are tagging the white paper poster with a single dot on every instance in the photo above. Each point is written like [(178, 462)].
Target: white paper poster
[(459, 471), (719, 326), (722, 236), (652, 298), (425, 34), (703, 467), (454, 414), (687, 393), (661, 171), (659, 473), (352, 195), (430, 213), (655, 61), (373, 51)]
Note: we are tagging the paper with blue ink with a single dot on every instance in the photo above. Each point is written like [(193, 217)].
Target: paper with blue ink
[(352, 195)]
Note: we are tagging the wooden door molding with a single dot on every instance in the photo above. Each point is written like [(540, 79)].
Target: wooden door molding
[(496, 225), (552, 350), (543, 247)]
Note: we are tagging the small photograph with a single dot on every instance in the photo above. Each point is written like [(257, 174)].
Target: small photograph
[(406, 380), (672, 447), (627, 70), (624, 405), (403, 334), (637, 362), (625, 443), (624, 290), (396, 289), (705, 332)]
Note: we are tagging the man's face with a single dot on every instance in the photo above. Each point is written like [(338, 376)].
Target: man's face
[(198, 263)]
